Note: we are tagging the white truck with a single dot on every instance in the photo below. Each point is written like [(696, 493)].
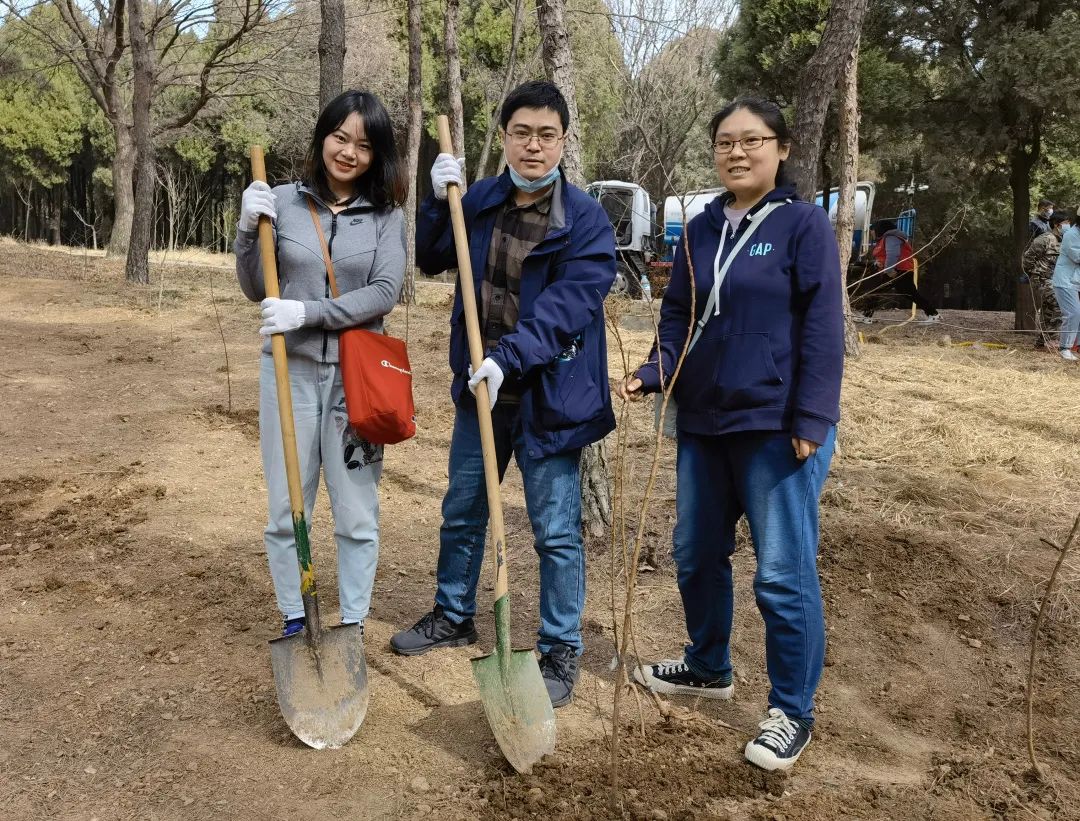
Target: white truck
[(637, 236)]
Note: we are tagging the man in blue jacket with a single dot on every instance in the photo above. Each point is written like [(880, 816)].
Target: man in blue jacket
[(543, 256)]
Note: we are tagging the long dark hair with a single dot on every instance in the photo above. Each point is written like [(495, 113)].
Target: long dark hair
[(383, 184), (770, 114)]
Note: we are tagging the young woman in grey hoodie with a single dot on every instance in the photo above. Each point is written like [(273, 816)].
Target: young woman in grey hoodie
[(354, 178)]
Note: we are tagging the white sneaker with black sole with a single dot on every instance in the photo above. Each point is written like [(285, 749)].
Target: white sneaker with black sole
[(672, 676), (779, 744)]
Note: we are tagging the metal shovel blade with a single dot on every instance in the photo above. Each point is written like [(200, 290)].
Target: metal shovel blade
[(515, 699), (322, 686)]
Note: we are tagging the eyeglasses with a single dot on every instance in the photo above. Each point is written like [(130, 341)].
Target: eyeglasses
[(546, 140), (748, 144)]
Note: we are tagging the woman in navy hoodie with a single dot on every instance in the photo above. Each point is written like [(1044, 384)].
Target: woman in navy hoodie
[(758, 401)]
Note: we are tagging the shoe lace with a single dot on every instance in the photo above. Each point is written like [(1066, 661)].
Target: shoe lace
[(669, 667), (426, 625), (558, 665), (777, 730)]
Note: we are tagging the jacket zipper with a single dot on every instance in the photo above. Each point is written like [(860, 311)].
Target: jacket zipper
[(330, 253)]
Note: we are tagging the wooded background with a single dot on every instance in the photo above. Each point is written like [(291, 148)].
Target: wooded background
[(975, 100)]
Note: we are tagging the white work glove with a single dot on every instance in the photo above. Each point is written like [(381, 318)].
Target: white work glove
[(444, 171), (257, 199), (281, 315), (494, 376)]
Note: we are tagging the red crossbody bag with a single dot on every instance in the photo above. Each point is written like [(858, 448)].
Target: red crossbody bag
[(375, 372)]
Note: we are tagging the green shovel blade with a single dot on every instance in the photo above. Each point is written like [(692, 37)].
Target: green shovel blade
[(515, 699)]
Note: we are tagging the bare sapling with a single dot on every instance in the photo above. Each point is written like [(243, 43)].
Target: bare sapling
[(632, 553), (224, 346), (1037, 769)]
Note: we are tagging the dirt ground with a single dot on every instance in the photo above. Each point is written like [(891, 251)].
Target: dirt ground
[(135, 602)]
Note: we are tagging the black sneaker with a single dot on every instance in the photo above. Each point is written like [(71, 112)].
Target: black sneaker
[(673, 676), (779, 744), (559, 667), (432, 631)]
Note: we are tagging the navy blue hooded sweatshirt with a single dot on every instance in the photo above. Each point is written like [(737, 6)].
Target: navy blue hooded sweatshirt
[(773, 358)]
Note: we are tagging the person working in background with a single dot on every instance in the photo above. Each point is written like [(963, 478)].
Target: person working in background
[(1066, 281), (895, 260), (1040, 222), (1040, 257)]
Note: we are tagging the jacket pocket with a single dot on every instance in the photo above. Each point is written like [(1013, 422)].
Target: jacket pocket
[(746, 375), (567, 393)]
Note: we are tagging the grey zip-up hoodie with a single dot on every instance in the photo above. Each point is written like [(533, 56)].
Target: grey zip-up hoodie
[(368, 251)]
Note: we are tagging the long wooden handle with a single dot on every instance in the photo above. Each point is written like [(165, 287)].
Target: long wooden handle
[(476, 354), (268, 258), (277, 345)]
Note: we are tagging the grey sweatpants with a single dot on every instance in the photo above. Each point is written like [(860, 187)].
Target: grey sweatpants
[(352, 468)]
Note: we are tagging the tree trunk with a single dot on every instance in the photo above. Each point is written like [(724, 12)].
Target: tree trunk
[(559, 67), (508, 81), (331, 50), (123, 176), (453, 77), (845, 202), (817, 82), (412, 151), (1022, 159), (142, 226), (56, 208)]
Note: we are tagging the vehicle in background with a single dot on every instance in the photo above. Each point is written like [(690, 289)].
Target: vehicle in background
[(864, 206), (694, 203), (633, 216)]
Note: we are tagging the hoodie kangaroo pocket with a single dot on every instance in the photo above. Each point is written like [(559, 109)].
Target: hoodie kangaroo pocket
[(746, 375)]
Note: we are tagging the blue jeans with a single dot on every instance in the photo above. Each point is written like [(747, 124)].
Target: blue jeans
[(721, 478), (553, 500), (1069, 302)]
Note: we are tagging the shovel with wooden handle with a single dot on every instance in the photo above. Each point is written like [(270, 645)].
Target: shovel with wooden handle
[(511, 688), (321, 675)]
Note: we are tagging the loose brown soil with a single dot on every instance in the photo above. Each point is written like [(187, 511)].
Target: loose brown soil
[(134, 673)]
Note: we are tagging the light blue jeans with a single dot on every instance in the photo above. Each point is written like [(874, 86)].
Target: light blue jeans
[(756, 474), (352, 468), (1069, 301), (553, 500)]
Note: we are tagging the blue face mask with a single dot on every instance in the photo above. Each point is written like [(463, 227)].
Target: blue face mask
[(532, 186)]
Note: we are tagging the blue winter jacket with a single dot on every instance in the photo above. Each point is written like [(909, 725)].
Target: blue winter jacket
[(565, 399), (773, 358)]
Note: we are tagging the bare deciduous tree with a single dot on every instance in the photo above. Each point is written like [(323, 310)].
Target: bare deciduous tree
[(669, 89), (412, 150), (137, 268), (203, 47), (559, 67), (817, 83), (845, 203), (453, 75), (508, 81), (331, 50)]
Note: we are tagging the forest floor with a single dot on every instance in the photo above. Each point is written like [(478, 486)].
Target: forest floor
[(135, 602)]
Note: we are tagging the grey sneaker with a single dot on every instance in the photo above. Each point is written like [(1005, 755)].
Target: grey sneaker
[(432, 631), (672, 676), (559, 667), (779, 744)]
